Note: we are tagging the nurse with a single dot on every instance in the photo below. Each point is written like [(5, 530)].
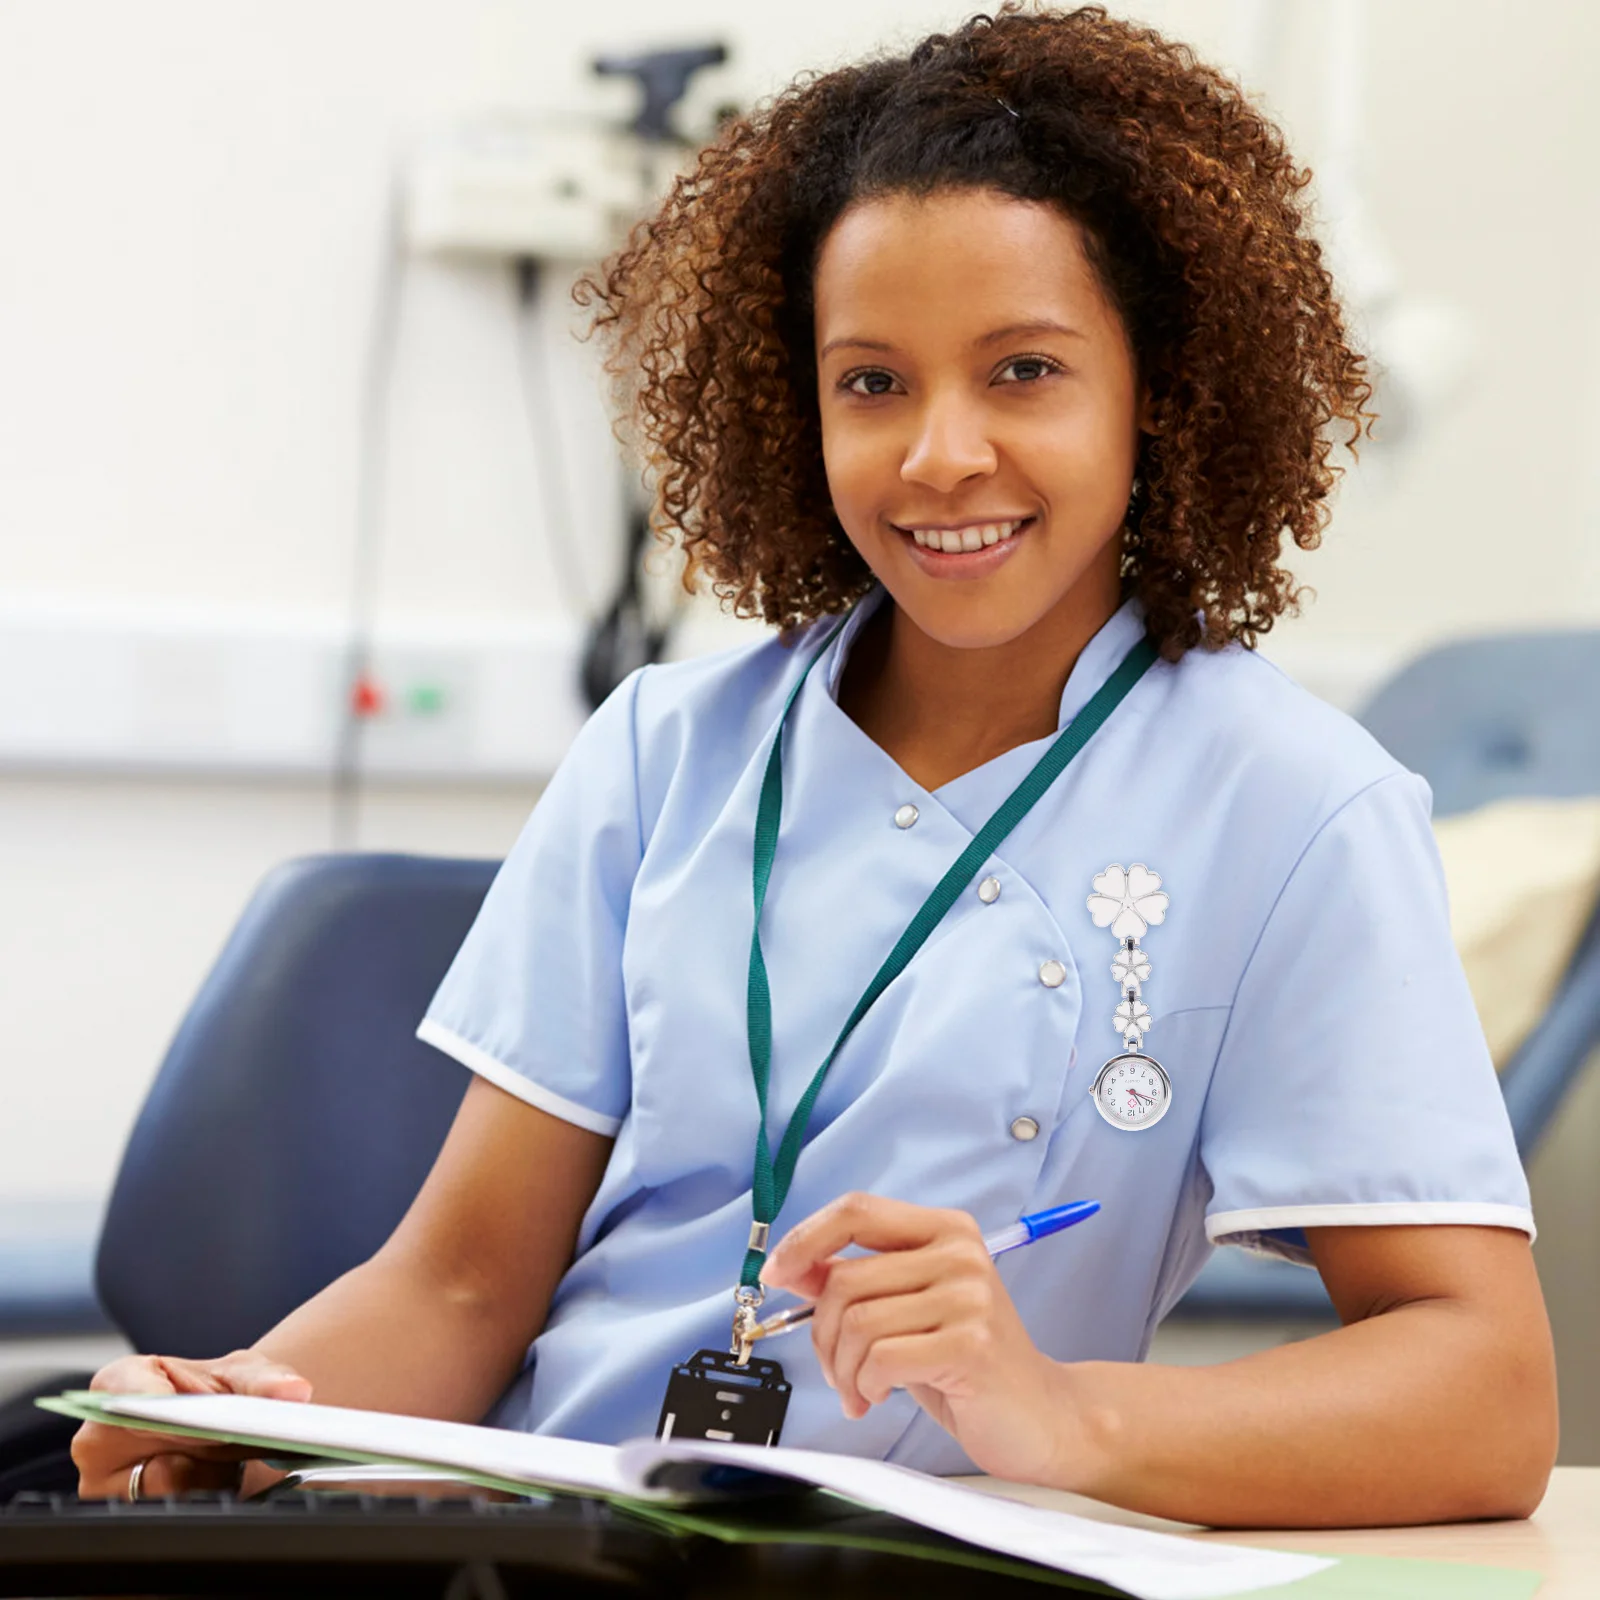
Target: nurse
[(1009, 876)]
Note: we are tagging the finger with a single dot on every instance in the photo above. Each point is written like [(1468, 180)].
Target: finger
[(251, 1372), (896, 1272), (104, 1455), (133, 1375), (932, 1358), (158, 1375), (863, 1327), (176, 1472), (871, 1221), (943, 1308), (192, 1377), (256, 1477), (242, 1372)]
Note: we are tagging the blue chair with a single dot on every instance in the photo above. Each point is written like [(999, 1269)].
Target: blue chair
[(1481, 720), (291, 1123), (296, 1114)]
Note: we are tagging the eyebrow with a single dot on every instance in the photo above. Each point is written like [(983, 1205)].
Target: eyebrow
[(1011, 330)]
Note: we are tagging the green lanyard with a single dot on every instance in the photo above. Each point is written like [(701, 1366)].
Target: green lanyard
[(770, 1185)]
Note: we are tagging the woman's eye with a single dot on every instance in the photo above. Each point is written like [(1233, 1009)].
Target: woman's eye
[(870, 381), (1029, 368), (874, 381)]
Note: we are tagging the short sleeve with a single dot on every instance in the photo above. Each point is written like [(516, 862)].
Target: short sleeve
[(534, 998), (1354, 1085)]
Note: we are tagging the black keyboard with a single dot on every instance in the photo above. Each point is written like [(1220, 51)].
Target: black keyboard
[(357, 1546), (330, 1544)]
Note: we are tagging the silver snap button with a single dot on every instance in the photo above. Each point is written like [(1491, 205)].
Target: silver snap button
[(1024, 1128), (989, 891), (1052, 974), (905, 816)]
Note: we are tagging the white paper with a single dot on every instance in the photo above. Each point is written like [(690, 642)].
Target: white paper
[(1156, 1566), (376, 1472), (332, 1430)]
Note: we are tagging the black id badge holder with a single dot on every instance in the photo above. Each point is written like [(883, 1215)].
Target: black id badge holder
[(713, 1396)]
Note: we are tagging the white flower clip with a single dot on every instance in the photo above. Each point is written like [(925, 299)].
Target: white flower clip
[(1132, 1021), (1130, 965), (1128, 902)]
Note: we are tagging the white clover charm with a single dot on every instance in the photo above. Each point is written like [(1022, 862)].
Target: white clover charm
[(1132, 1021), (1131, 966), (1128, 902)]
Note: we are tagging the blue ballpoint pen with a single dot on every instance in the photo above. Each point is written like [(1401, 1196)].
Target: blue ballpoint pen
[(1026, 1230)]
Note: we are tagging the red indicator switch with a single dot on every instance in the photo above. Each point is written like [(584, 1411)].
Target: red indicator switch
[(367, 698)]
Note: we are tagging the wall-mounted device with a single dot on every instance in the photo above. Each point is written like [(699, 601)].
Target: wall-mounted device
[(540, 189)]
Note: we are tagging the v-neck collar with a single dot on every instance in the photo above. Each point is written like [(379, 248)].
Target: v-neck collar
[(975, 793)]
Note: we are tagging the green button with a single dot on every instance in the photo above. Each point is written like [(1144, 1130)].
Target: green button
[(425, 699)]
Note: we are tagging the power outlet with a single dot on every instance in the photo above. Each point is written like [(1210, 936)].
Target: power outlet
[(250, 693)]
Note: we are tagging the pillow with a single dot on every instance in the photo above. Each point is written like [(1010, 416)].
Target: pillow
[(1524, 877)]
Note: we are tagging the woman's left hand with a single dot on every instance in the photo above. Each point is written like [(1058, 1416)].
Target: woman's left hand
[(929, 1314)]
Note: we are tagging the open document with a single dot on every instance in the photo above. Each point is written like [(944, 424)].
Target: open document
[(706, 1475)]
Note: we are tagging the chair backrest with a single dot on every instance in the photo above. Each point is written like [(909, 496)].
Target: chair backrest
[(295, 1115), (1486, 719), (1489, 719)]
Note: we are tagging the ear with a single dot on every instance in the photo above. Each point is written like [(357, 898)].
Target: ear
[(1145, 418)]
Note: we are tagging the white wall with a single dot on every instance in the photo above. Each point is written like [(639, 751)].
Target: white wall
[(1484, 128), (192, 215)]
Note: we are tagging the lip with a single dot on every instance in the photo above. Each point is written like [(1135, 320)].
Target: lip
[(971, 522), (964, 563)]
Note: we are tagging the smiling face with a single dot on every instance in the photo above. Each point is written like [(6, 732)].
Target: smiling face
[(980, 411)]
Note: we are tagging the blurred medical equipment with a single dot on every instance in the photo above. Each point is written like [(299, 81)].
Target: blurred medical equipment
[(538, 191), (552, 187), (545, 194)]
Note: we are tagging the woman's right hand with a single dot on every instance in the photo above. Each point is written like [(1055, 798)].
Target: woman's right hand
[(106, 1456)]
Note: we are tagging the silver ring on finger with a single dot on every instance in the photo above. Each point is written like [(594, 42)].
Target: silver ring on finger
[(135, 1480)]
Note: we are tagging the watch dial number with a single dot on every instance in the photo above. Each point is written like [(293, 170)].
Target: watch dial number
[(1132, 1092)]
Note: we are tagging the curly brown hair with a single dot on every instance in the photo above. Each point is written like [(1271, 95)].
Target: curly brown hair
[(1193, 214)]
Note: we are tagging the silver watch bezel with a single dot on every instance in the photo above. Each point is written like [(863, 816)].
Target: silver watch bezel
[(1117, 1060)]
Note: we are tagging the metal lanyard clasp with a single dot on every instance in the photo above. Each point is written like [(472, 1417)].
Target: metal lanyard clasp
[(747, 1302)]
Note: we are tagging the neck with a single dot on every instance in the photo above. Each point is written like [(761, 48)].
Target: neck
[(940, 710)]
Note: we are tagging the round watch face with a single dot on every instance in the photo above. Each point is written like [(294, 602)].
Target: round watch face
[(1132, 1091)]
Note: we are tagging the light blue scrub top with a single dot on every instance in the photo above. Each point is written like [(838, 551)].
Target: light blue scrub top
[(1327, 1065)]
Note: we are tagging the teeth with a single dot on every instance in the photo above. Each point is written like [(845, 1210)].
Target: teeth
[(954, 541)]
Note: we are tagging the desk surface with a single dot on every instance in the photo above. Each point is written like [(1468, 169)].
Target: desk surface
[(1561, 1539)]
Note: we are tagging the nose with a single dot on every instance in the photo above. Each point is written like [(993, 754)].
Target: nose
[(950, 445)]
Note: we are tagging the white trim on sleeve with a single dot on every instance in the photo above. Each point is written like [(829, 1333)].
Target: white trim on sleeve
[(502, 1077), (1225, 1226)]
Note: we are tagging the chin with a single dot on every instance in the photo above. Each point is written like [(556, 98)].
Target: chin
[(976, 622)]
